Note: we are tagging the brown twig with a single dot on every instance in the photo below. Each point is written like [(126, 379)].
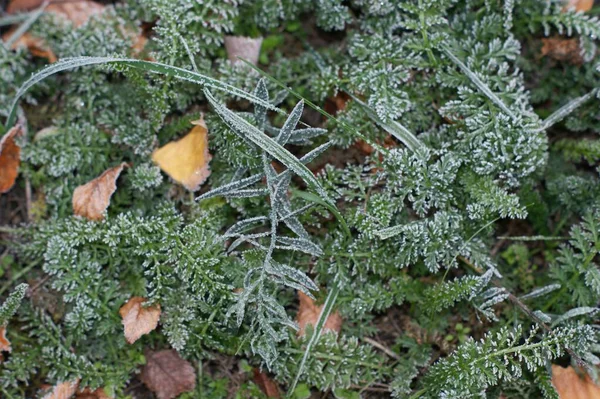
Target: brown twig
[(382, 347)]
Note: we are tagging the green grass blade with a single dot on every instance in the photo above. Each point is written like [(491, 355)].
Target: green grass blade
[(14, 19), (394, 128), (148, 66), (567, 109), (477, 82), (325, 312), (267, 144), (316, 199)]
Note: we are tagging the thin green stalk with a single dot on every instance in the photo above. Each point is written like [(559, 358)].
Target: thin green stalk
[(325, 312)]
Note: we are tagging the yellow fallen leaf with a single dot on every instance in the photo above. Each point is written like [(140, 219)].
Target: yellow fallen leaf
[(9, 159), (308, 313), (91, 199), (570, 385), (138, 320), (62, 390), (186, 160)]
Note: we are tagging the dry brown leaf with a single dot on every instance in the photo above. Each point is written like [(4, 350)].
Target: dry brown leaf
[(9, 159), (266, 384), (91, 199), (63, 390), (571, 385), (138, 320), (78, 12), (308, 313), (566, 50), (87, 393), (580, 5), (4, 342), (167, 374), (240, 47), (186, 160), (36, 46)]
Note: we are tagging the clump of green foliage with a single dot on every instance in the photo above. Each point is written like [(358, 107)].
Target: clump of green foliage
[(472, 224)]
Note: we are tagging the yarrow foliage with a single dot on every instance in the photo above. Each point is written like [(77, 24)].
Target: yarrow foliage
[(427, 169)]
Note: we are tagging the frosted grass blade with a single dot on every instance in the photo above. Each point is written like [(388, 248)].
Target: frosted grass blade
[(325, 312), (267, 144), (148, 66), (477, 82)]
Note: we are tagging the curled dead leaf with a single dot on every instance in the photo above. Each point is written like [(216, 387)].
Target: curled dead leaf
[(4, 342), (186, 160), (565, 50), (91, 199), (9, 159), (167, 374), (570, 385), (138, 320), (308, 313), (62, 390), (265, 383)]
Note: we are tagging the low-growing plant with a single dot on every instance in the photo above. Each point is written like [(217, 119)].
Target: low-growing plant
[(423, 173)]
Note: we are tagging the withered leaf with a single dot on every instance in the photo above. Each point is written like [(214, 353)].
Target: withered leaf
[(566, 50), (186, 160), (36, 46), (138, 320), (571, 385), (9, 159), (308, 313), (88, 393), (4, 342), (240, 47), (62, 390), (167, 374), (266, 384), (91, 199), (77, 12)]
